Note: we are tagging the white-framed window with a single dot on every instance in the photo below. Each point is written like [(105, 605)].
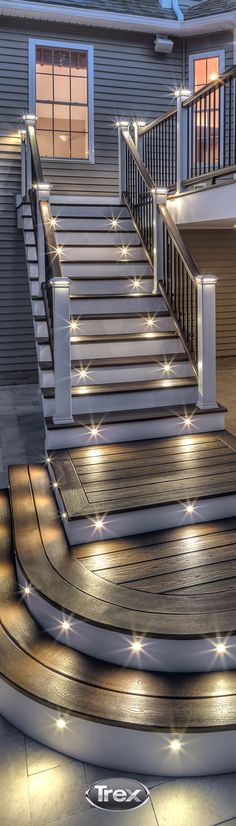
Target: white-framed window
[(205, 67), (61, 95)]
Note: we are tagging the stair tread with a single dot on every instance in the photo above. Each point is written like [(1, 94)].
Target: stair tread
[(147, 414), (125, 387), (116, 337), (121, 361)]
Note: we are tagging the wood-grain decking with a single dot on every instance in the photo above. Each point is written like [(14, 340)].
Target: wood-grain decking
[(121, 477), (78, 582), (66, 681)]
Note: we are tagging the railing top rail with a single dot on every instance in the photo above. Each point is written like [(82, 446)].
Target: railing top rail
[(49, 234), (214, 84), (179, 243), (138, 160), (157, 121), (36, 160)]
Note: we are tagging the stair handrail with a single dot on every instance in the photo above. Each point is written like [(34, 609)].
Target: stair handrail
[(54, 285), (189, 295)]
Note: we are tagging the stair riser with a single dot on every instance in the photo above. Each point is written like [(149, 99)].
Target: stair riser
[(141, 348), (110, 270), (98, 286), (145, 372), (92, 225), (132, 430), (127, 401), (148, 305), (91, 239), (120, 748), (104, 239), (113, 326), (89, 210)]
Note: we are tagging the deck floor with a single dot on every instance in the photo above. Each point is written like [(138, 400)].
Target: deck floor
[(120, 477)]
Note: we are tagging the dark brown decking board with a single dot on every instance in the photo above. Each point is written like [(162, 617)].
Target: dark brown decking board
[(65, 680), (57, 574), (112, 478)]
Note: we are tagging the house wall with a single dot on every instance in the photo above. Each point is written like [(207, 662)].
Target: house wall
[(208, 43), (215, 254)]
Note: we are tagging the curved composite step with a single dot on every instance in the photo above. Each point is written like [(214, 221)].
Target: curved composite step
[(160, 724), (178, 617)]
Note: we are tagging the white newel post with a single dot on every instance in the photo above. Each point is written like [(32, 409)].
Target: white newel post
[(159, 197), (181, 162), (62, 350), (29, 120), (206, 322), (122, 126)]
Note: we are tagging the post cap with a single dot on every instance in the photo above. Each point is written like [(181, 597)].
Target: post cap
[(207, 279), (60, 282)]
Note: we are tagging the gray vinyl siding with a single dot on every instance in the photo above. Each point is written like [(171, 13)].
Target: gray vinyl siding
[(215, 253)]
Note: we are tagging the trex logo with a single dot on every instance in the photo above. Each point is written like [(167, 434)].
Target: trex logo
[(117, 794)]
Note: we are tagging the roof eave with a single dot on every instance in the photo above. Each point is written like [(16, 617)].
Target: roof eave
[(27, 9)]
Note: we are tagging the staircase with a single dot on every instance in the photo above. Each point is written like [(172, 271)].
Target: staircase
[(117, 556), (130, 373)]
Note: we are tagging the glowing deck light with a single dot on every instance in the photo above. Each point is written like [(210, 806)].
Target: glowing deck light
[(175, 744), (188, 421), (167, 368), (114, 223), (83, 373), (221, 648), (94, 431), (55, 484), (99, 524), (189, 508), (136, 646), (150, 322), (73, 325), (48, 460), (65, 625), (64, 515), (27, 590), (136, 282), (124, 250), (61, 723), (59, 249)]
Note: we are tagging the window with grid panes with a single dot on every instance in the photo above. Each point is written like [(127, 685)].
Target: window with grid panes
[(62, 102)]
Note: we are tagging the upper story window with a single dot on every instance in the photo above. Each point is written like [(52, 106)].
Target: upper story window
[(63, 100), (205, 69)]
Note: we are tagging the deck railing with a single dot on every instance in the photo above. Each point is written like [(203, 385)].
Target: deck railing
[(159, 139), (196, 140), (54, 285), (210, 124), (189, 295)]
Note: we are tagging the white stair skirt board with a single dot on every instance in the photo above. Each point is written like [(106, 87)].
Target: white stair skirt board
[(167, 654), (120, 748), (132, 430), (144, 519), (89, 403)]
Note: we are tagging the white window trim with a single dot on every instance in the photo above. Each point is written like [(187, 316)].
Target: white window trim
[(61, 44), (200, 56)]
